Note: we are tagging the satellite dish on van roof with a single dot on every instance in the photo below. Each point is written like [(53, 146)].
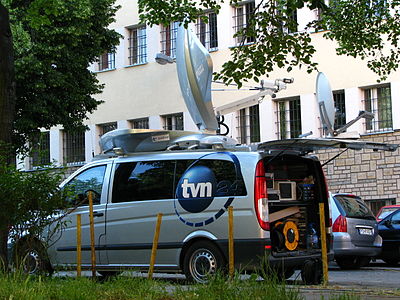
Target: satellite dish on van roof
[(195, 69), (325, 103)]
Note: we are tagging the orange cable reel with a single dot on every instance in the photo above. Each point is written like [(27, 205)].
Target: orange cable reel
[(291, 233)]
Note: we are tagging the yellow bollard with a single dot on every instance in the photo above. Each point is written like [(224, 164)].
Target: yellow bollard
[(230, 242), (78, 245), (91, 223), (323, 244), (154, 248)]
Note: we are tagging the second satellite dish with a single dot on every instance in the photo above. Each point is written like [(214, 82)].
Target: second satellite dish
[(325, 103)]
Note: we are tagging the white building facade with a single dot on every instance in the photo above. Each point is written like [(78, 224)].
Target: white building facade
[(140, 93)]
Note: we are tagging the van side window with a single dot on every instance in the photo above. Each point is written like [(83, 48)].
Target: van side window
[(149, 180), (228, 182), (90, 180)]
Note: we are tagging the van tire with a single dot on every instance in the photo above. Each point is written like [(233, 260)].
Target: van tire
[(311, 273), (202, 260), (31, 257)]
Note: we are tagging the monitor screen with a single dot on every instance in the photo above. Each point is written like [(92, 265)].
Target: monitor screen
[(287, 190)]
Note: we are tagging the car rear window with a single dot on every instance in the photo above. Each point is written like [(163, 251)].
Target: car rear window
[(387, 211), (353, 207)]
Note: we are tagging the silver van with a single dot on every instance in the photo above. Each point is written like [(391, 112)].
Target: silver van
[(275, 193), (355, 231), (275, 189)]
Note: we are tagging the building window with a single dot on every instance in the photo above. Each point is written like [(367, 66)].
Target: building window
[(137, 45), (168, 39), (74, 147), (173, 122), (106, 61), (140, 123), (290, 26), (104, 128), (340, 107), (207, 32), (379, 102), (249, 125), (288, 118), (376, 204), (40, 153), (244, 25)]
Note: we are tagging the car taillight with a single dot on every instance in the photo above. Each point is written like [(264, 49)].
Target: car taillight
[(261, 196), (340, 224)]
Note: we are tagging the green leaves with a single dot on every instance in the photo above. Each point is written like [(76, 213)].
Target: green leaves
[(365, 29), (55, 42), (164, 12)]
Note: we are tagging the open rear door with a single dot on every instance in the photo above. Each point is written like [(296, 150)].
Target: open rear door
[(309, 145)]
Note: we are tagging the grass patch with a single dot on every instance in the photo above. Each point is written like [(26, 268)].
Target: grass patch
[(21, 287)]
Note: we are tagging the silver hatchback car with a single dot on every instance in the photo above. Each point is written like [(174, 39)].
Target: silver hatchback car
[(355, 231)]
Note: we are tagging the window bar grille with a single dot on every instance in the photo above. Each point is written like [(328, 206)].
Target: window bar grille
[(288, 118), (74, 147), (140, 123), (207, 32), (108, 127), (173, 122), (243, 18), (168, 39), (107, 61), (340, 106), (137, 46), (378, 101), (41, 149), (249, 125)]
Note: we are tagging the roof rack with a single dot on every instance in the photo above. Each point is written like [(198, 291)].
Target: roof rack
[(126, 141)]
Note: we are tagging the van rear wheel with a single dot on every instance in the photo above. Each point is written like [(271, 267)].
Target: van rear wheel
[(311, 273), (202, 260)]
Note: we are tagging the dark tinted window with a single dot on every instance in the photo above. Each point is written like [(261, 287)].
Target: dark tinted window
[(228, 182), (353, 207), (154, 180), (151, 180)]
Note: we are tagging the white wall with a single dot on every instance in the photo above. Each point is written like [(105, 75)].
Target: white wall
[(151, 90)]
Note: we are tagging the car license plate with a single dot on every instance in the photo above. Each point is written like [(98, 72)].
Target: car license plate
[(365, 231)]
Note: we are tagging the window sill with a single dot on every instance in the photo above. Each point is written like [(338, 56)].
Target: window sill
[(136, 65), (105, 70), (245, 44)]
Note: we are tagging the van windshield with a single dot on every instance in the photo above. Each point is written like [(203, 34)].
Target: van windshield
[(353, 207)]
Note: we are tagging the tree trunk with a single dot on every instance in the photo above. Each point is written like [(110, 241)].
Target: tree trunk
[(7, 108)]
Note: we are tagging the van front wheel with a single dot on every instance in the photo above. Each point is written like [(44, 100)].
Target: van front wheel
[(202, 260), (31, 257)]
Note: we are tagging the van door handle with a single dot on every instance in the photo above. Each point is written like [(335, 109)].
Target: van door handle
[(97, 214)]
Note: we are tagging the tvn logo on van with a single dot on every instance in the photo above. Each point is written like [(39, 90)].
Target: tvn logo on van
[(196, 189), (201, 189)]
